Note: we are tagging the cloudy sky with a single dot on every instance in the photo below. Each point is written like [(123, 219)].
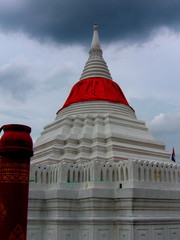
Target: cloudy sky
[(44, 46)]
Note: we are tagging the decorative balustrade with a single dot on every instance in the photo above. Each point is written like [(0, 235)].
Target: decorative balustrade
[(122, 171), (157, 171)]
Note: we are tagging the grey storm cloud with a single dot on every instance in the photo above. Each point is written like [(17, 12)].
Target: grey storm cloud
[(14, 79), (68, 21)]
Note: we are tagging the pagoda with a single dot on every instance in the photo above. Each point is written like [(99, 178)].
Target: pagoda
[(96, 122), (97, 172)]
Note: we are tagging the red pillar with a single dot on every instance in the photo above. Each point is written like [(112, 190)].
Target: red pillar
[(15, 153)]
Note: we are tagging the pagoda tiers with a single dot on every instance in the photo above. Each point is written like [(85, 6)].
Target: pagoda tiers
[(97, 172), (96, 122)]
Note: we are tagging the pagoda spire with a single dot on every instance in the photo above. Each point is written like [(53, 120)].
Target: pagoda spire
[(95, 41), (95, 83), (95, 65)]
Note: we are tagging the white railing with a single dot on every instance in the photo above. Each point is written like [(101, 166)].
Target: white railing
[(122, 171)]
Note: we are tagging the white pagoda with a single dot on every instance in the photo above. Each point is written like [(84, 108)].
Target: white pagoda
[(97, 172)]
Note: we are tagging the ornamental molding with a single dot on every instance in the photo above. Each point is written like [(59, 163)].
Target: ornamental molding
[(14, 173)]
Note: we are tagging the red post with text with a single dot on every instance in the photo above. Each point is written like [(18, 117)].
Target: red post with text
[(16, 148)]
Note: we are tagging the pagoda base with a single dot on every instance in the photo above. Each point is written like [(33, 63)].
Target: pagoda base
[(135, 207)]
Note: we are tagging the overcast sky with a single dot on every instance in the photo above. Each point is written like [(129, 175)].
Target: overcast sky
[(44, 46)]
